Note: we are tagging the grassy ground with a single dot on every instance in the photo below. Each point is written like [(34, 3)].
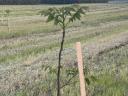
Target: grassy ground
[(32, 44)]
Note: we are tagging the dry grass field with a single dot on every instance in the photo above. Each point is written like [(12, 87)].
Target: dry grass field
[(32, 44)]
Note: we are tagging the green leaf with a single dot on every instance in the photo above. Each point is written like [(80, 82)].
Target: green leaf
[(87, 81), (72, 72), (50, 18), (93, 78)]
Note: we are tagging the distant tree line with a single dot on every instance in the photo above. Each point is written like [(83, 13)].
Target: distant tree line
[(94, 1), (18, 2)]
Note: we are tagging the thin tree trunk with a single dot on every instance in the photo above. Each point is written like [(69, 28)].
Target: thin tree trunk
[(8, 25), (3, 16), (59, 64), (3, 20)]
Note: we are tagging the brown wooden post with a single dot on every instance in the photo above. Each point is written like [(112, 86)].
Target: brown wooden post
[(80, 68)]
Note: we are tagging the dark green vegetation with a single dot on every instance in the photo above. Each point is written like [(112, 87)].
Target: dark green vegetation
[(29, 52)]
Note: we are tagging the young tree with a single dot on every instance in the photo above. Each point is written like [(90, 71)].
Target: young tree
[(3, 16), (7, 13), (63, 17)]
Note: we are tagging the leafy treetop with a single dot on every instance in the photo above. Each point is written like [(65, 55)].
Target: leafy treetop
[(64, 15)]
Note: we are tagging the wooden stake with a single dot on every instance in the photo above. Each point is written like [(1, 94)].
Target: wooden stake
[(80, 68)]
